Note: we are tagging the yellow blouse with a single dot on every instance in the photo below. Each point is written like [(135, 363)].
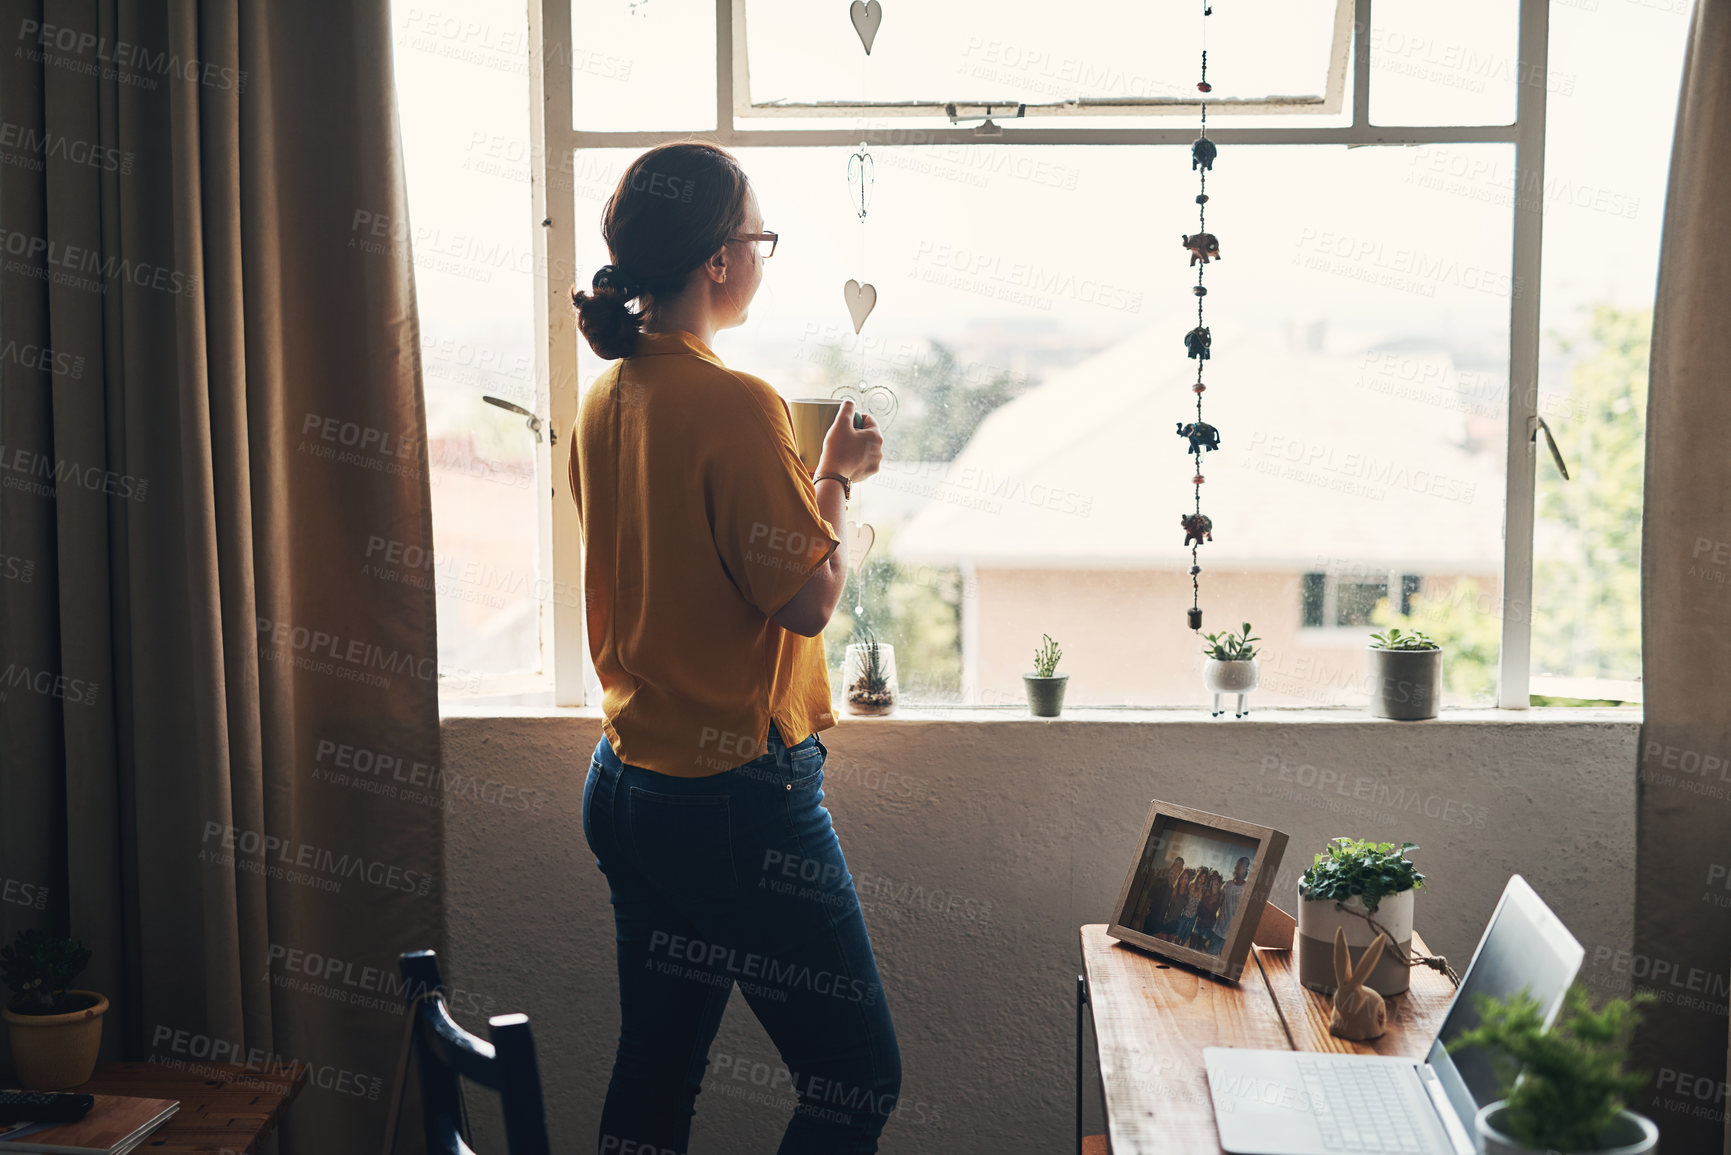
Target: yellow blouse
[(699, 524)]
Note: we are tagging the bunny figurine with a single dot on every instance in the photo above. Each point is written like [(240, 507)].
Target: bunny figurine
[(1359, 1012)]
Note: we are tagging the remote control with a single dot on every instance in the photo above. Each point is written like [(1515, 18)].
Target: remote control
[(43, 1107)]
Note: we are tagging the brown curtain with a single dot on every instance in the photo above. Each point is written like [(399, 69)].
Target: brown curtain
[(1682, 920), (218, 714)]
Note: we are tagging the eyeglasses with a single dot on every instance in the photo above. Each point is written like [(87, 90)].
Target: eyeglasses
[(765, 242)]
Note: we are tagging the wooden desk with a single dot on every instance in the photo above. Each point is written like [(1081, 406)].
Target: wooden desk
[(225, 1109), (1153, 1018)]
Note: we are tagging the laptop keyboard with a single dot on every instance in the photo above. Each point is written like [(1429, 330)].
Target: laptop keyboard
[(1361, 1109)]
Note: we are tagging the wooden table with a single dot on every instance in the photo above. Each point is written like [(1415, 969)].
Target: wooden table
[(1152, 1019), (225, 1108)]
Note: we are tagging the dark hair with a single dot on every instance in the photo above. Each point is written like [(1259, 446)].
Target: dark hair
[(675, 205)]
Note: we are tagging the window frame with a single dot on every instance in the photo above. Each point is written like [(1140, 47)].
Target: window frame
[(555, 142), (1329, 102)]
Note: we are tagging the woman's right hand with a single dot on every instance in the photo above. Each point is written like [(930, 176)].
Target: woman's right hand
[(854, 453)]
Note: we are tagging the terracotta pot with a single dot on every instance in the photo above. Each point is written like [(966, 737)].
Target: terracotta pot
[(54, 1052), (1045, 695), (1316, 922), (1631, 1134)]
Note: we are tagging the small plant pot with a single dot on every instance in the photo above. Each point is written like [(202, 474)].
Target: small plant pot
[(1045, 695), (1405, 685), (1631, 1134), (868, 692), (1317, 919), (1228, 678), (54, 1052)]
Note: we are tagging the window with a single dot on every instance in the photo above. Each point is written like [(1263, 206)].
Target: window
[(1124, 57), (1336, 601), (1372, 307)]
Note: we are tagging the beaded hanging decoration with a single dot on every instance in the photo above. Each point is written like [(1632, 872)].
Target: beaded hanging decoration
[(1203, 247)]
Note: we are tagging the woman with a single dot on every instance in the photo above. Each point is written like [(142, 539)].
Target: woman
[(711, 566)]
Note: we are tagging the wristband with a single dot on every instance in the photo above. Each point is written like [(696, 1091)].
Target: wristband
[(846, 485)]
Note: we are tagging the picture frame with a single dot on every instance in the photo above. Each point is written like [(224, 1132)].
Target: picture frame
[(1197, 911)]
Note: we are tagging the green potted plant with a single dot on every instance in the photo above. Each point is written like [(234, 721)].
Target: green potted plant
[(1045, 685), (1405, 675), (1564, 1088), (55, 1030), (1229, 667), (1350, 884), (869, 677)]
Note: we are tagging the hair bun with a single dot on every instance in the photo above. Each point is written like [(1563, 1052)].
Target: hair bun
[(613, 277)]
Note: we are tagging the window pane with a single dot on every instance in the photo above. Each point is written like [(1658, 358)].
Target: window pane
[(463, 95), (640, 65), (1020, 50), (1452, 63), (1357, 601), (1410, 585), (1033, 337), (1313, 588), (1604, 209)]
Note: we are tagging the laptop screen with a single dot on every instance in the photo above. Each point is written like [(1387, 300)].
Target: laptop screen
[(1525, 946)]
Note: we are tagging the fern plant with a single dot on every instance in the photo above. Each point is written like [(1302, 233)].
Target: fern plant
[(1564, 1087), (1368, 871), (38, 968), (1046, 657)]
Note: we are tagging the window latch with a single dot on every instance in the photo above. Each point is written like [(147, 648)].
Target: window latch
[(1536, 425), (987, 126), (533, 422)]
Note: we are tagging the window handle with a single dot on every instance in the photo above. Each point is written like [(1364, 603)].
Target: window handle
[(534, 421), (1537, 424)]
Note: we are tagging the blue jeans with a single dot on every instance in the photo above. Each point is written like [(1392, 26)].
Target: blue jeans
[(737, 879)]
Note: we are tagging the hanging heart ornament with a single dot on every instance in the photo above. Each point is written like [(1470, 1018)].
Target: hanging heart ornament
[(861, 300), (860, 539), (878, 401), (866, 18), (860, 179)]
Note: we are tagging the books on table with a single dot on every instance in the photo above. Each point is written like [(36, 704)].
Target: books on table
[(114, 1126)]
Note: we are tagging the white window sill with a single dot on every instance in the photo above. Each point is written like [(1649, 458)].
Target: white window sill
[(455, 708)]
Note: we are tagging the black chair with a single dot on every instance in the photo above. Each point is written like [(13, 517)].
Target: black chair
[(446, 1054)]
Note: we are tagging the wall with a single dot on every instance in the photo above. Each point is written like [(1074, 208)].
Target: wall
[(980, 842)]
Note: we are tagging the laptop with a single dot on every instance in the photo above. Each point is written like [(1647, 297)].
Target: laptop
[(1295, 1103)]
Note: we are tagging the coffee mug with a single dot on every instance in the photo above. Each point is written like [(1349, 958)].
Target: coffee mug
[(812, 418)]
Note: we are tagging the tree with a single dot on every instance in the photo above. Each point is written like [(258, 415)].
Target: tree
[(1586, 615), (941, 400), (1587, 557), (917, 609)]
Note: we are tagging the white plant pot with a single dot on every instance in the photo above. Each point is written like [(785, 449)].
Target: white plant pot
[(1317, 921), (1631, 1134), (1224, 678), (1405, 685)]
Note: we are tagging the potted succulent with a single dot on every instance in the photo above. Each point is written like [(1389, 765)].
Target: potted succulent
[(1045, 685), (1563, 1087), (55, 1030), (1229, 667), (869, 675), (1405, 675), (1351, 885)]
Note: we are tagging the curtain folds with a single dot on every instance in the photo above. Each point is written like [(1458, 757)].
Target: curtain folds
[(1683, 831), (218, 722)]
